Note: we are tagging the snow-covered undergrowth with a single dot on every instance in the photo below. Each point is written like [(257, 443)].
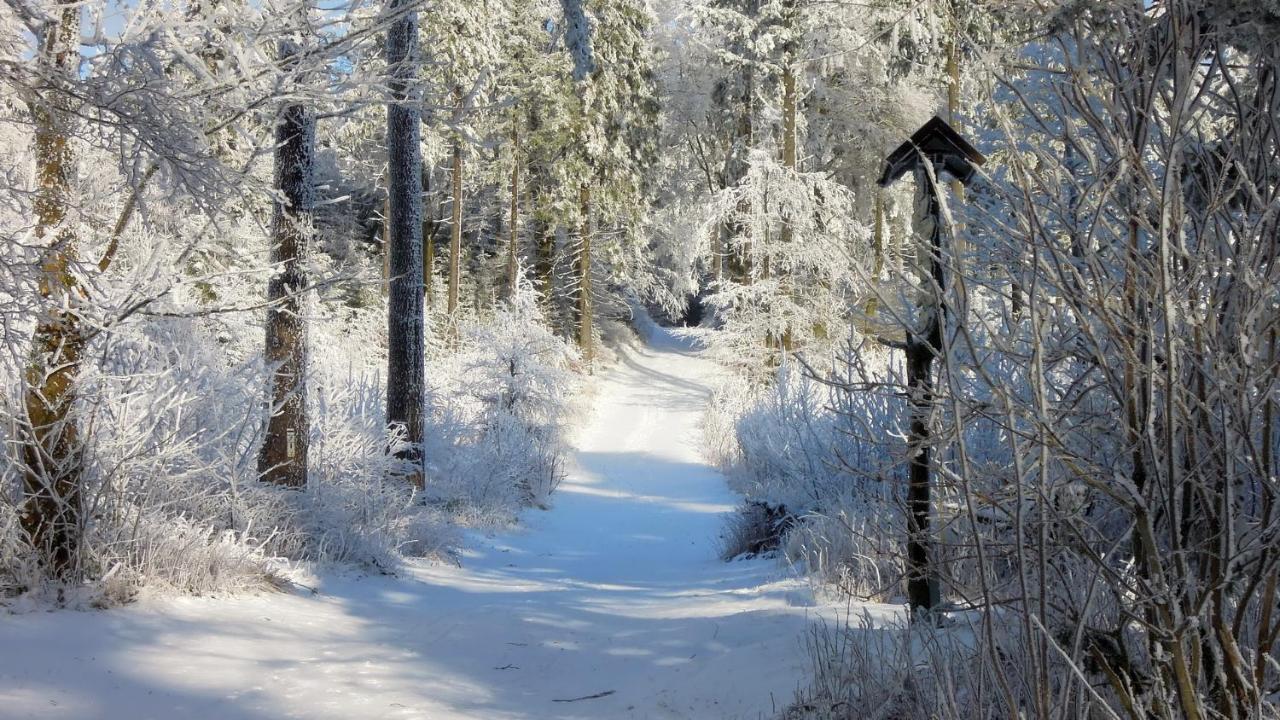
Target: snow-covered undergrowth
[(820, 456), (171, 413), (865, 667), (790, 446), (500, 408)]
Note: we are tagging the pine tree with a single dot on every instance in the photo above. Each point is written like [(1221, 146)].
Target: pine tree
[(615, 144)]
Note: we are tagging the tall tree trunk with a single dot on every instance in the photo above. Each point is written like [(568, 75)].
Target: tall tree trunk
[(405, 319), (790, 155), (513, 243), (717, 252), (51, 514), (740, 263), (544, 266), (586, 329), (541, 235), (790, 160), (959, 248), (428, 242), (455, 230), (283, 458), (877, 243), (386, 245)]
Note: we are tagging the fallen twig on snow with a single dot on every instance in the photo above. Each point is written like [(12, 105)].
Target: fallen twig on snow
[(586, 697)]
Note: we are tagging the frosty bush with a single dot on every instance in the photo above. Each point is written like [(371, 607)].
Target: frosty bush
[(801, 445), (500, 414), (175, 502), (173, 498)]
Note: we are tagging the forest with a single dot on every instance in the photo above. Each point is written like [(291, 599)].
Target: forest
[(794, 359)]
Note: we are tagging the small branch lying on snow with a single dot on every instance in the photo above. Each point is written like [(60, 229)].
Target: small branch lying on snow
[(606, 693)]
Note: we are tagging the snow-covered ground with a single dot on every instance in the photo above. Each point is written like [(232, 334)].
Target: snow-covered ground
[(615, 592)]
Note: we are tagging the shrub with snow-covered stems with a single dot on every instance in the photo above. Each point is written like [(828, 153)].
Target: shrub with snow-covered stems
[(500, 412), (797, 446)]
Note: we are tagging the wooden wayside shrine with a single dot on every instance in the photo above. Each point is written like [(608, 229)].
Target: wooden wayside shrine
[(939, 145), (942, 145)]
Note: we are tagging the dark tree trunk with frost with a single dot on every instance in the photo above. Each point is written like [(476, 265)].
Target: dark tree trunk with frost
[(428, 243), (405, 360), (791, 161), (586, 328), (513, 243), (455, 222), (283, 459), (51, 513)]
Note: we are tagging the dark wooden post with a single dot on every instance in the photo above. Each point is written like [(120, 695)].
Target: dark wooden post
[(937, 144)]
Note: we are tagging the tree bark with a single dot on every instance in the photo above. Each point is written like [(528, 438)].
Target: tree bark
[(586, 329), (959, 247), (545, 237), (877, 244), (405, 319), (513, 243), (717, 252), (51, 513), (455, 230), (578, 40), (428, 243), (283, 458), (790, 160)]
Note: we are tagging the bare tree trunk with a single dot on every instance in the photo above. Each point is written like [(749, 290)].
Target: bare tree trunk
[(586, 329), (405, 319), (740, 255), (455, 231), (428, 243), (386, 246), (545, 237), (51, 513), (959, 246), (790, 155), (717, 252), (877, 243), (283, 458), (513, 244), (790, 160)]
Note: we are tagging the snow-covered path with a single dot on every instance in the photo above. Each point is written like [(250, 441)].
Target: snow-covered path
[(615, 592)]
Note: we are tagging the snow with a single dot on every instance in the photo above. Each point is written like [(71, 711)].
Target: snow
[(616, 590)]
